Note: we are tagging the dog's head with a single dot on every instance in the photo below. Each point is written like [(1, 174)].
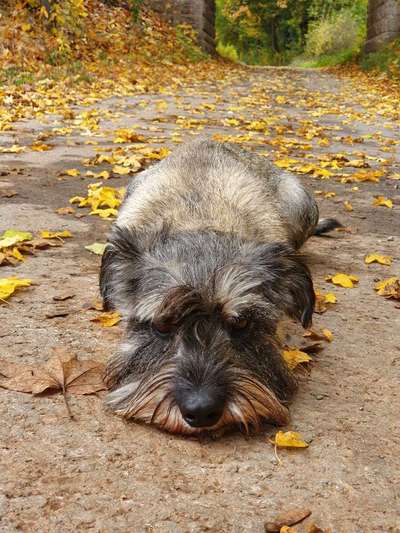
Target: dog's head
[(201, 311)]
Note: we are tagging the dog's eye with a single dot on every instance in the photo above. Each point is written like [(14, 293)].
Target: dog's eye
[(237, 323), (163, 329)]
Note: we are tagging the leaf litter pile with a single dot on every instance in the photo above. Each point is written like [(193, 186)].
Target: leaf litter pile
[(305, 144)]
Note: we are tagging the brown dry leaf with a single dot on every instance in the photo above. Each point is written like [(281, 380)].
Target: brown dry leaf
[(389, 288), (63, 372), (65, 210), (288, 518), (315, 529)]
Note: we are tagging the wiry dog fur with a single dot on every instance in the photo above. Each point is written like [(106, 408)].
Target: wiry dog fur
[(202, 262)]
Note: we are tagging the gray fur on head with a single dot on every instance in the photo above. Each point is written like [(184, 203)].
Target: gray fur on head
[(203, 264)]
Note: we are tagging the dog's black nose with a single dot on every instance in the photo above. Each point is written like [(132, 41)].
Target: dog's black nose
[(200, 409)]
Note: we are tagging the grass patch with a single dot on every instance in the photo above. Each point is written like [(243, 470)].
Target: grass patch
[(326, 60)]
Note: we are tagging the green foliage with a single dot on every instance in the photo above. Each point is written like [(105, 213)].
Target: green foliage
[(277, 31), (338, 33), (385, 60)]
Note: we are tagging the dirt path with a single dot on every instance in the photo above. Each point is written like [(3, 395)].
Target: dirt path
[(98, 473)]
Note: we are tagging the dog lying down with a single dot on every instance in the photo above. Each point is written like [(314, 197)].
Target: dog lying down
[(202, 262)]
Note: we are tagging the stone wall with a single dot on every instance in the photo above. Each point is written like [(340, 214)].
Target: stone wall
[(383, 23), (199, 13)]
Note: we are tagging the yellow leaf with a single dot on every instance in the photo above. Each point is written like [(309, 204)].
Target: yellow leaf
[(327, 334), (343, 280), (17, 254), (107, 320), (280, 99), (9, 285), (381, 200), (294, 357), (377, 258), (72, 172), (96, 248), (330, 298), (12, 236), (14, 149), (122, 171), (41, 147), (347, 205), (285, 163), (104, 213), (45, 234), (289, 439)]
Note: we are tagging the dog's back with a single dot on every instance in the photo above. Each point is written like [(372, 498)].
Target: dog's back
[(206, 185)]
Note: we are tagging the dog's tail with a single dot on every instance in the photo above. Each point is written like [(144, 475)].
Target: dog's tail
[(325, 225)]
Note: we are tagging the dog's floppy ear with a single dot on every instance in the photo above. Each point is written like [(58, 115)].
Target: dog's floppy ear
[(287, 281), (118, 266)]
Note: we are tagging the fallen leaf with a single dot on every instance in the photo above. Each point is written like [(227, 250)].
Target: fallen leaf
[(62, 372), (322, 299), (389, 288), (65, 210), (9, 285), (288, 439), (109, 319), (12, 236), (62, 296), (343, 280), (347, 205), (41, 147), (382, 201), (294, 357), (96, 248), (14, 149), (377, 258), (71, 172), (122, 171), (45, 234), (324, 335), (288, 518)]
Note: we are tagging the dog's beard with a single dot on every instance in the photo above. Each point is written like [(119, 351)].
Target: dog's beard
[(151, 400)]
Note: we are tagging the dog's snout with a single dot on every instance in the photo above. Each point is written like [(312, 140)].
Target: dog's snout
[(201, 408)]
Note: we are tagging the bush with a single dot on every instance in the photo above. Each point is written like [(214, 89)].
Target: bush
[(336, 34)]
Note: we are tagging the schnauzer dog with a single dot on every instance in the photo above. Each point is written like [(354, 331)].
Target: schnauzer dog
[(202, 262)]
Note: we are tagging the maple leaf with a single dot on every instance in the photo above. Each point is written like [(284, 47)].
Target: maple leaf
[(377, 258), (289, 439), (9, 285), (96, 248), (62, 372), (294, 357), (343, 280), (382, 201), (45, 234), (108, 319)]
